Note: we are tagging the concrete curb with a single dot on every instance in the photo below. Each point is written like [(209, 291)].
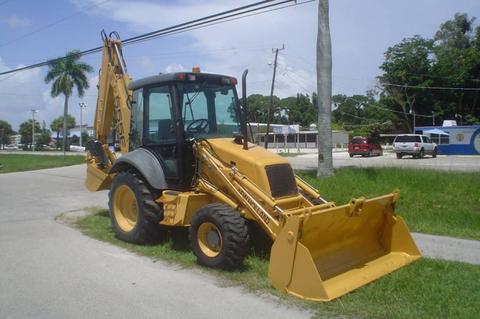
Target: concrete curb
[(448, 248)]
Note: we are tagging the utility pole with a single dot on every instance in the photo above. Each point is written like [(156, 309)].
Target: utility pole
[(82, 106), (324, 91), (413, 113), (433, 118), (2, 145), (33, 129), (270, 107)]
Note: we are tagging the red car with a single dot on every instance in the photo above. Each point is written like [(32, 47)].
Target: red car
[(363, 146)]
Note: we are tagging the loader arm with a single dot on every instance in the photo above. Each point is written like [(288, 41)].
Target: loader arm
[(320, 251), (113, 109)]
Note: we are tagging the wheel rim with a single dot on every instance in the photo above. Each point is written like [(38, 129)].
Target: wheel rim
[(125, 208), (209, 239)]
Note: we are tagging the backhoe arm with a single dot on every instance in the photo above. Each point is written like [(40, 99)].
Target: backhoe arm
[(113, 110), (114, 98)]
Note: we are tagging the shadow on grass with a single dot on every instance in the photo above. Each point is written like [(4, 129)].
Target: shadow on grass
[(176, 240)]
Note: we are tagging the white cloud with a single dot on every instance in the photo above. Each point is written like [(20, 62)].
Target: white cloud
[(229, 47), (14, 21), (175, 67)]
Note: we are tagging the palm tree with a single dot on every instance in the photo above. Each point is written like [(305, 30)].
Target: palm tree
[(67, 73), (324, 87)]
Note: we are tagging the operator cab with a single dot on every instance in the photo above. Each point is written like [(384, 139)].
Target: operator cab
[(170, 110)]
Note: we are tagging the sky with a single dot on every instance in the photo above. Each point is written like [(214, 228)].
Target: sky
[(33, 31)]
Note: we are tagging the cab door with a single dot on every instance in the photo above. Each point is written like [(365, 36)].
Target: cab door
[(160, 132)]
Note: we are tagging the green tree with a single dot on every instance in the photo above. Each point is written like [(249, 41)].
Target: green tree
[(44, 138), (455, 33), (413, 68), (300, 110), (67, 73), (457, 64), (57, 125), (26, 132), (350, 109), (5, 133), (407, 64)]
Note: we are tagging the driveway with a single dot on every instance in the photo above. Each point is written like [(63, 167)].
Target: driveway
[(48, 270), (441, 163)]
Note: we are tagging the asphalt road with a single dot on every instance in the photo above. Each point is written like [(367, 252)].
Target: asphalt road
[(49, 270), (442, 162)]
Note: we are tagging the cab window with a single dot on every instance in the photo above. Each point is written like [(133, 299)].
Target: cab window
[(208, 110), (137, 120), (159, 124)]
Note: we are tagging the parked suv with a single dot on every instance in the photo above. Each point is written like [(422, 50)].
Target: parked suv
[(360, 145), (415, 145)]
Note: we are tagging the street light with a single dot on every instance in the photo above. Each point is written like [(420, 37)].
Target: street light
[(461, 118), (82, 106), (33, 129), (413, 113)]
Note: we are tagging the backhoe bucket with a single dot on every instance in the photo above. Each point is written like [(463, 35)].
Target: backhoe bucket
[(324, 254)]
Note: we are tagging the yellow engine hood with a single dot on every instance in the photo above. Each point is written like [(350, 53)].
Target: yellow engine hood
[(251, 162)]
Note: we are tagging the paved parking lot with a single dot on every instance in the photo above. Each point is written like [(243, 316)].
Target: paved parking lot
[(442, 162)]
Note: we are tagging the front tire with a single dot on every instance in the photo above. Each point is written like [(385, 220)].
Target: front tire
[(434, 154), (134, 213), (219, 236), (399, 155)]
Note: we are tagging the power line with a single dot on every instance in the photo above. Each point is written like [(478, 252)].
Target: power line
[(387, 109), (227, 18), (8, 77), (179, 28), (362, 118), (430, 87)]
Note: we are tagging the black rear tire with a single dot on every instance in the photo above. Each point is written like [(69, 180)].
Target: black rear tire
[(399, 155), (228, 232), (434, 154), (422, 153), (146, 228)]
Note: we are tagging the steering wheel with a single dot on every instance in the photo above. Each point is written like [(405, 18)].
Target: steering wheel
[(197, 126)]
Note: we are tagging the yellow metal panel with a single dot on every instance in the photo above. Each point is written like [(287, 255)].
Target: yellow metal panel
[(179, 208), (97, 179), (250, 163), (341, 249)]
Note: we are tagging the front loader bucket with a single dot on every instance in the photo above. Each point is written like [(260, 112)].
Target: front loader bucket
[(322, 255)]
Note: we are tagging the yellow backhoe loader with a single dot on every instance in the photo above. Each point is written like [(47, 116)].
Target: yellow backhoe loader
[(186, 161)]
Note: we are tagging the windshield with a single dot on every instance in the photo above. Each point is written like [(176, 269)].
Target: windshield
[(359, 141), (407, 139), (209, 110)]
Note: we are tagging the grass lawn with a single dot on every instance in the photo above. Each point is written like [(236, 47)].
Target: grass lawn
[(443, 203), (28, 162), (425, 289)]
